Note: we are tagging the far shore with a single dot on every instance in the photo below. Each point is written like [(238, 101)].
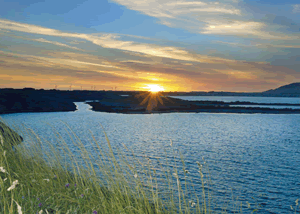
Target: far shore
[(98, 106), (31, 100)]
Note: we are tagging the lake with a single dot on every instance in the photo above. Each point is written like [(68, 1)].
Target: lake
[(227, 99), (249, 155), (290, 100)]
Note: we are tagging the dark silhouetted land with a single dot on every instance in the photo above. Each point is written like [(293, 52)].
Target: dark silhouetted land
[(32, 100)]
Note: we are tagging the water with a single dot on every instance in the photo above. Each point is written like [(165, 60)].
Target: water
[(249, 155), (290, 100), (267, 106), (285, 100)]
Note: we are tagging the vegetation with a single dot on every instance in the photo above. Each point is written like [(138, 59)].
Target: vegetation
[(37, 177)]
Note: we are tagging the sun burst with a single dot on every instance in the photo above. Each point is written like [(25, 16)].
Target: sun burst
[(154, 88)]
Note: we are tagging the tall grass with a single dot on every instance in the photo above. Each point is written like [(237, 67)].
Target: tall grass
[(42, 177)]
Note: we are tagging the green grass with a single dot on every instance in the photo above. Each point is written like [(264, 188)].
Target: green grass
[(53, 180)]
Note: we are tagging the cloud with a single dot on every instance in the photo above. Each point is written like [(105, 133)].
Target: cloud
[(58, 65), (234, 28), (191, 15), (222, 17), (108, 41), (296, 8), (260, 45), (113, 41), (242, 28), (171, 9), (56, 43), (217, 74), (76, 42), (166, 64), (213, 73), (21, 70), (103, 40)]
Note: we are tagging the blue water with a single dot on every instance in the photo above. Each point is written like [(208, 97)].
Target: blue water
[(249, 155), (290, 100), (268, 106), (285, 100)]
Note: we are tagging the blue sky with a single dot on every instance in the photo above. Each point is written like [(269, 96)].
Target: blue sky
[(226, 45)]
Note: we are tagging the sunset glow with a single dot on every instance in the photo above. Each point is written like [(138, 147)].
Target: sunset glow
[(185, 45), (154, 88)]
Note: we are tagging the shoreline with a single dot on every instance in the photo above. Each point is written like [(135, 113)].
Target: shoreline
[(42, 101), (151, 104), (233, 110)]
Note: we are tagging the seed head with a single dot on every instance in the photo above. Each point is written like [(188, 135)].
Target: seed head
[(1, 140), (13, 185), (175, 175), (19, 208), (2, 169)]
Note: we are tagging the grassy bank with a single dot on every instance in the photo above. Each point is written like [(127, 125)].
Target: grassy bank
[(40, 177)]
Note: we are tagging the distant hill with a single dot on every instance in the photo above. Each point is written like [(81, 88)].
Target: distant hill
[(286, 90)]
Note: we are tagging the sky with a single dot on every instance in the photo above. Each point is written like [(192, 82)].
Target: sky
[(182, 45)]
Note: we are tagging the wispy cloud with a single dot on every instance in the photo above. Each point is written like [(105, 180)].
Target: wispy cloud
[(245, 29), (113, 41), (191, 15), (56, 43), (260, 45), (139, 62), (171, 9), (84, 69), (108, 41), (103, 40), (296, 8), (222, 17)]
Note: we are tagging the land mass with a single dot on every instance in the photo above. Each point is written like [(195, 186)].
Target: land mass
[(32, 100), (148, 103)]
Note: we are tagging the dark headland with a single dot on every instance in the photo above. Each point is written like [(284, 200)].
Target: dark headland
[(33, 100)]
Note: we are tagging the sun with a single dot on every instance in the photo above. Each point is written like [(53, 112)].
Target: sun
[(154, 88)]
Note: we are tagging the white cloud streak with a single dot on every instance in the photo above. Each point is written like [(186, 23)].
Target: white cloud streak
[(56, 43), (245, 29)]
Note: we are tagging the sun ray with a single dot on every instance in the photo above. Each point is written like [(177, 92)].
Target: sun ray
[(152, 100), (154, 88)]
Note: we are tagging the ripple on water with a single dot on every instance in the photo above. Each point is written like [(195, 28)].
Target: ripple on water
[(249, 155)]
